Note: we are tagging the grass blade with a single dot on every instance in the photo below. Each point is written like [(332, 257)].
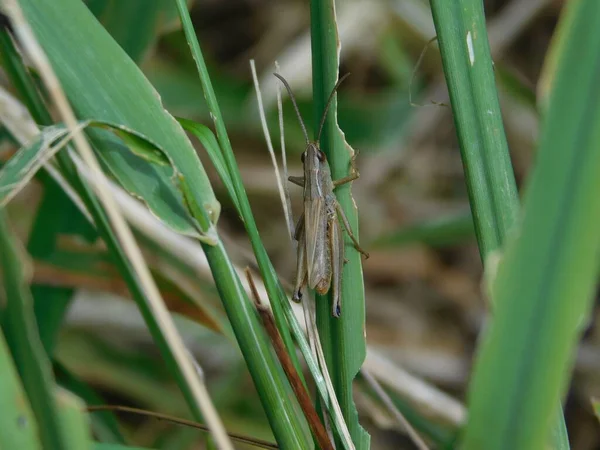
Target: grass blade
[(468, 68), (544, 285), (95, 95), (342, 339), (133, 24)]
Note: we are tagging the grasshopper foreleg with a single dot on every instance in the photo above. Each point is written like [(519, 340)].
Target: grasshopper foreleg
[(354, 175), (298, 181)]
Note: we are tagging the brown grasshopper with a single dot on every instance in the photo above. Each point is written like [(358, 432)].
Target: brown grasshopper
[(318, 232)]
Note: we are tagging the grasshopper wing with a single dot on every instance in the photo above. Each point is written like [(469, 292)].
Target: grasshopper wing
[(315, 221), (317, 248)]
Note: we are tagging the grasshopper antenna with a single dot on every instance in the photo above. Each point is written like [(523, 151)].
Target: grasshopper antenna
[(289, 89), (329, 100)]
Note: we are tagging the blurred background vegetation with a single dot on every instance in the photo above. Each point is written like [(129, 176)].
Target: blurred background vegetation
[(425, 305)]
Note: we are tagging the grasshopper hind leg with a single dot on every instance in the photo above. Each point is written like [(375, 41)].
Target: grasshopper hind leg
[(357, 246), (301, 270), (336, 247)]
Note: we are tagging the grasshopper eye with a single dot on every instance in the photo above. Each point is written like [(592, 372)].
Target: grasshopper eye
[(321, 156), (303, 157)]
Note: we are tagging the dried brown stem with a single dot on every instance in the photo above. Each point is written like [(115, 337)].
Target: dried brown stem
[(286, 362)]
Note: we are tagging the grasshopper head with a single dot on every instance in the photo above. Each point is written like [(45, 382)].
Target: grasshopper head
[(313, 155)]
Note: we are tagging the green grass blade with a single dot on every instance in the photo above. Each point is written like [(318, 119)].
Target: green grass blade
[(275, 291), (132, 102), (343, 339), (12, 64), (468, 68), (134, 24), (24, 342), (544, 285), (284, 415), (210, 144), (18, 428)]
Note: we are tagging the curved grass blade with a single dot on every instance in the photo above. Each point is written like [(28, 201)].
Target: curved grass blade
[(210, 144), (108, 86), (342, 339), (30, 158), (544, 286)]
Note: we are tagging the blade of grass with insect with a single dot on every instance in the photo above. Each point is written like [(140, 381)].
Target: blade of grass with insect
[(251, 338), (343, 338), (468, 68), (18, 428), (20, 330), (544, 285), (296, 330)]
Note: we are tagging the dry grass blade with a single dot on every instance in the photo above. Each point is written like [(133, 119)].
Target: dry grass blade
[(263, 120), (179, 421), (412, 433), (283, 154)]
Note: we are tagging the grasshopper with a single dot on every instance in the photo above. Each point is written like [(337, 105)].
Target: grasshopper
[(318, 232)]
